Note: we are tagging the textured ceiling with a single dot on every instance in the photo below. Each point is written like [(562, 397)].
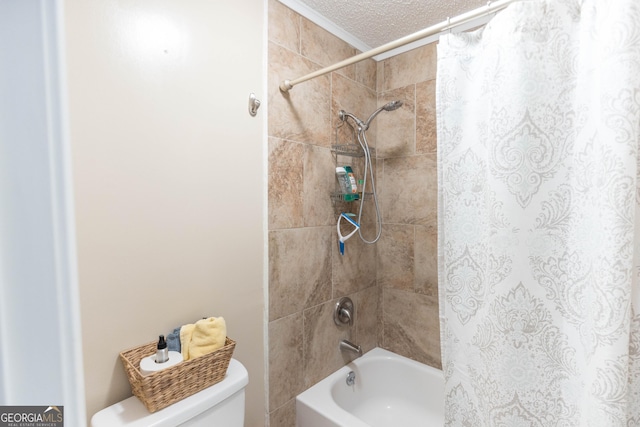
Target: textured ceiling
[(376, 22)]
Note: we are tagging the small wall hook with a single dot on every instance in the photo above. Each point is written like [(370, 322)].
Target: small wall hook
[(254, 104)]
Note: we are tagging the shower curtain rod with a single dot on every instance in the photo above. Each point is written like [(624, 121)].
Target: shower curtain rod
[(449, 24)]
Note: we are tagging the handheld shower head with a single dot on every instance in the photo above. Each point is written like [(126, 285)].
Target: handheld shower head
[(393, 105), (389, 106)]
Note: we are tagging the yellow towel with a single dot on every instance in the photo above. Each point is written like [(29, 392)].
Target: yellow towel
[(185, 339), (206, 336)]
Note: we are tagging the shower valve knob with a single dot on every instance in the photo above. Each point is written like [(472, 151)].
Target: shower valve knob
[(343, 314)]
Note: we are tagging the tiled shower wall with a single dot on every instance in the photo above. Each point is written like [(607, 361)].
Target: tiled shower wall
[(407, 252), (306, 273), (393, 283)]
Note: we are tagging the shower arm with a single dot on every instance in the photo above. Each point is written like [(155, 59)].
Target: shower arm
[(343, 115)]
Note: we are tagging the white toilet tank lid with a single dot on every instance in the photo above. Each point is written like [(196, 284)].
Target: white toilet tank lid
[(132, 413)]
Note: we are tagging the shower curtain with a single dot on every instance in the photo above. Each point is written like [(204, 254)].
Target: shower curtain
[(539, 228)]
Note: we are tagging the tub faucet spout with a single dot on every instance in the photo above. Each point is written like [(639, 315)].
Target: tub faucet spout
[(349, 346)]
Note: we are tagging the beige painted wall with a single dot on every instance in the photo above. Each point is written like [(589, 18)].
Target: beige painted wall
[(168, 178)]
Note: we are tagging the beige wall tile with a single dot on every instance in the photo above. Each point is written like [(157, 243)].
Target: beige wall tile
[(426, 128), (369, 209), (396, 130), (285, 416), (367, 317), (284, 26), (319, 183), (411, 67), (408, 190), (352, 97), (380, 76), (407, 254), (368, 227), (356, 269), (412, 325), (321, 339), (380, 318), (285, 184), (426, 260), (396, 256), (325, 49), (299, 269), (366, 72), (430, 184), (285, 360), (301, 114)]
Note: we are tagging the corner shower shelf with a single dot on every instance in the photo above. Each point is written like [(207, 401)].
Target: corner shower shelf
[(351, 150)]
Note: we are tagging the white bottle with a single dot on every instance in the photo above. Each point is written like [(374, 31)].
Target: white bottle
[(343, 180)]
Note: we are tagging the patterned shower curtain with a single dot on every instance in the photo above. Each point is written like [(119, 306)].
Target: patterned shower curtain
[(539, 224)]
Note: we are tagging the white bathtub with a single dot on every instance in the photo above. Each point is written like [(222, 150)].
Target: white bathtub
[(389, 391)]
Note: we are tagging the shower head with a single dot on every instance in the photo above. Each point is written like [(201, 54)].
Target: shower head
[(389, 106), (393, 105)]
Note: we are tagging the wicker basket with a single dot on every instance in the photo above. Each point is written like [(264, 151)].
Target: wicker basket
[(163, 388)]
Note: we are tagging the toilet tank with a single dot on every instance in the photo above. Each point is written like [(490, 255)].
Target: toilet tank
[(221, 405)]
